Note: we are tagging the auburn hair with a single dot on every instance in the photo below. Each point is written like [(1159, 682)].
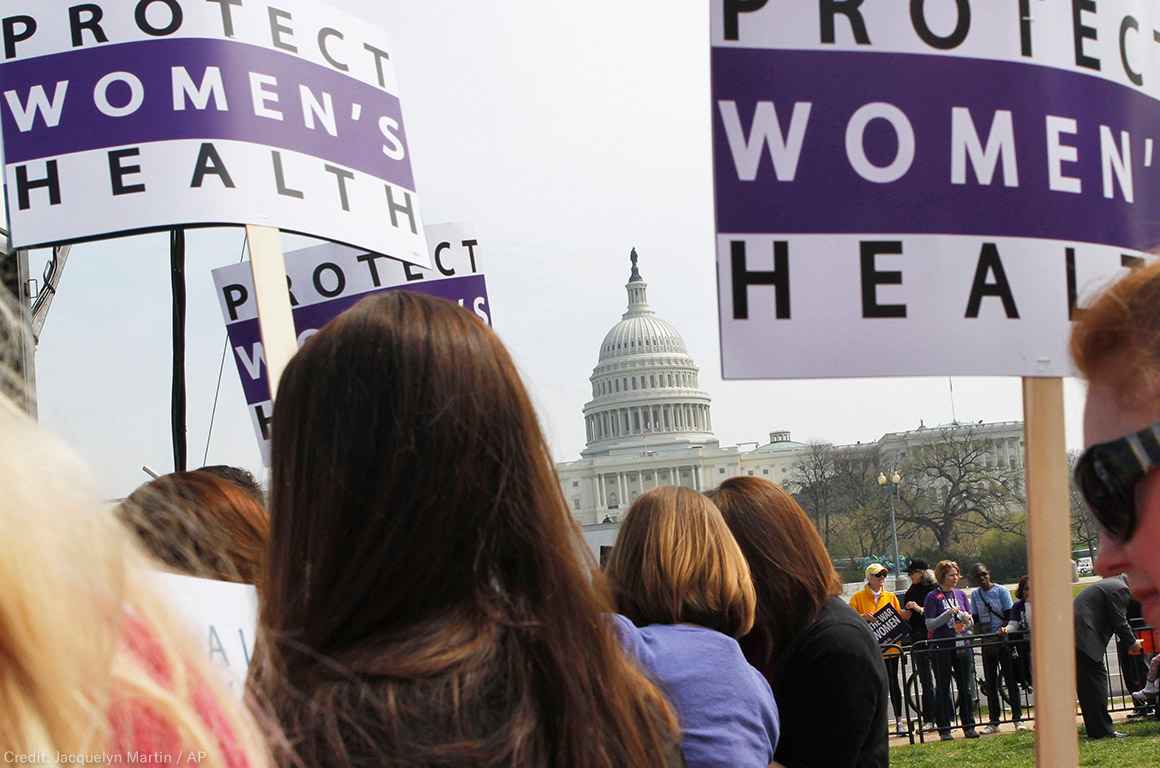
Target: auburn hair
[(1120, 332), (427, 598), (675, 562), (200, 524), (792, 572)]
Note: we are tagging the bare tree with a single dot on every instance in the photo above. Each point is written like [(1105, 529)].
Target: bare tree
[(814, 478), (863, 531), (956, 487), (1085, 531), (864, 524)]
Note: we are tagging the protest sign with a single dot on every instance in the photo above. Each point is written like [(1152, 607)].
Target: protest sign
[(326, 280), (888, 625), (121, 117), (221, 617), (926, 188)]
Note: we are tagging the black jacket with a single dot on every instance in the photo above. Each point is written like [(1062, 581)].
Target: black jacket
[(917, 593), (830, 686), (1101, 611)]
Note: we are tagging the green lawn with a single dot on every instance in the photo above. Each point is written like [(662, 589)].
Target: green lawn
[(1142, 748)]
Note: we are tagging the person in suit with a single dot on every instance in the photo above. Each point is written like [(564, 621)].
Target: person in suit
[(1101, 611)]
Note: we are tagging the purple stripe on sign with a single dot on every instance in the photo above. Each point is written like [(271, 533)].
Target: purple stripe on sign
[(828, 196), (246, 335), (357, 107)]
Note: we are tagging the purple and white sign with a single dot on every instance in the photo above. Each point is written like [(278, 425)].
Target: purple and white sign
[(122, 117), (325, 281), (926, 188)]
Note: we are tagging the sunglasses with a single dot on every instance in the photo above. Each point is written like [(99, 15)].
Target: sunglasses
[(1107, 474)]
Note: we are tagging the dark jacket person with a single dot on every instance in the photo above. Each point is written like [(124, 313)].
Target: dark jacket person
[(820, 657), (1101, 610)]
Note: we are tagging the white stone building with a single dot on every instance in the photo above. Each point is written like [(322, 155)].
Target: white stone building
[(650, 424)]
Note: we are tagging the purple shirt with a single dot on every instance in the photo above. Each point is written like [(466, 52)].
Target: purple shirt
[(939, 602), (726, 708)]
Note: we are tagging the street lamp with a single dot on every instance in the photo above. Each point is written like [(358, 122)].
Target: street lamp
[(893, 481)]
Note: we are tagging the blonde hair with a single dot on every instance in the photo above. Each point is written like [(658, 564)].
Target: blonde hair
[(675, 562), (92, 662), (944, 567)]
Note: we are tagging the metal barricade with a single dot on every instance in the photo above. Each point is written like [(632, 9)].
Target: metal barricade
[(993, 672)]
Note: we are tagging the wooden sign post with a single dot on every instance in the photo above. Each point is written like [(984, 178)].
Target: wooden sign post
[(1049, 553), (275, 319)]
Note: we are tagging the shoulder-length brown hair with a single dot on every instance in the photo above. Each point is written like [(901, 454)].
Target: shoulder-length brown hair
[(943, 568), (675, 562), (428, 598), (792, 571), (200, 524)]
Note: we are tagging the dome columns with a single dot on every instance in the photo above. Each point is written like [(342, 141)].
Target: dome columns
[(636, 420)]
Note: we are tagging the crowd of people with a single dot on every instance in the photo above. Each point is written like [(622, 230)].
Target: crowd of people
[(942, 620), (951, 630), (425, 598)]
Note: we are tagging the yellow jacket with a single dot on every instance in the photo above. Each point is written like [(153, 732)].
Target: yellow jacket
[(863, 601)]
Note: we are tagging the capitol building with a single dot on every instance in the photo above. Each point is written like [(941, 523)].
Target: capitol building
[(649, 423)]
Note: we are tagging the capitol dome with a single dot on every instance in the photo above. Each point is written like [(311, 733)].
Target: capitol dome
[(640, 333), (645, 387)]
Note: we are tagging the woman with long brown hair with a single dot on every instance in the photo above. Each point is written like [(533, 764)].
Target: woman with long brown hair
[(685, 593), (817, 654), (425, 597)]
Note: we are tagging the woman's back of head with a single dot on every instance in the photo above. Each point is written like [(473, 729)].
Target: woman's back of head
[(425, 601), (676, 562), (792, 571), (200, 523)]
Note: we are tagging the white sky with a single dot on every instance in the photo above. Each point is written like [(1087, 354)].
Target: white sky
[(564, 133)]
